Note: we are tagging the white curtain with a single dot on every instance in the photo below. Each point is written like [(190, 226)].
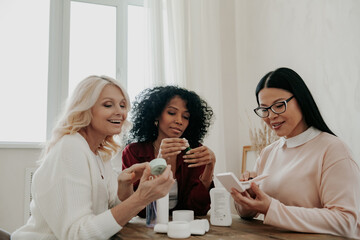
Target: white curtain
[(166, 42), (185, 50)]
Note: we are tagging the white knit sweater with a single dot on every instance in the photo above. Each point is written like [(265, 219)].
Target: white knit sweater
[(70, 198)]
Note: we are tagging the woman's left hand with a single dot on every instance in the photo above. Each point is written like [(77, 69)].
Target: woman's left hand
[(127, 178), (200, 156), (131, 174), (259, 203)]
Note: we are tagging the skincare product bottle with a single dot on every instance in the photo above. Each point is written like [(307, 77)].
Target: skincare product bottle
[(220, 213)]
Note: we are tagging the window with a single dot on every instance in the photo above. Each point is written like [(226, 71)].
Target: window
[(87, 37), (137, 81), (24, 44), (92, 41)]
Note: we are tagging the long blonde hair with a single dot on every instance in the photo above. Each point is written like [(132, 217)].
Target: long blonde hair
[(77, 113)]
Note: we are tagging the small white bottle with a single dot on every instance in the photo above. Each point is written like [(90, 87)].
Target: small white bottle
[(220, 213), (162, 210)]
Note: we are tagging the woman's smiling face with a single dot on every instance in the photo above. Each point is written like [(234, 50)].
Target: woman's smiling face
[(108, 113), (287, 124)]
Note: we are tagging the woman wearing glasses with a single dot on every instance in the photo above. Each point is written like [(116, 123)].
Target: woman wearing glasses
[(314, 183)]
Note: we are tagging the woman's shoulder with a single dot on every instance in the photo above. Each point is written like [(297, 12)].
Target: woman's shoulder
[(334, 151), (333, 145), (70, 146), (272, 145), (329, 141), (72, 141)]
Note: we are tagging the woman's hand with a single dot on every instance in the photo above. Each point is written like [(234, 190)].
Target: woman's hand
[(132, 174), (200, 156), (149, 189), (245, 176), (258, 203), (127, 178), (152, 188), (171, 147)]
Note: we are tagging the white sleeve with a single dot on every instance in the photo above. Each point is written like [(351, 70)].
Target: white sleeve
[(112, 185), (63, 193)]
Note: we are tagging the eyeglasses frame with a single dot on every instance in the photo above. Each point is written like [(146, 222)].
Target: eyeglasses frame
[(270, 107)]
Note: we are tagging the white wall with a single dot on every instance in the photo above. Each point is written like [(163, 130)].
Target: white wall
[(317, 38), (13, 163)]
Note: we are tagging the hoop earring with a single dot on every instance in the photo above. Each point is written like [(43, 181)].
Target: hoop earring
[(156, 123)]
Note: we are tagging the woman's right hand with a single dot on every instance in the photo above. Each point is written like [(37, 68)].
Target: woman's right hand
[(149, 189), (171, 147), (245, 176), (243, 210), (152, 188), (248, 205)]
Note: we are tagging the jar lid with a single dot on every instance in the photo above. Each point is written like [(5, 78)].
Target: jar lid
[(157, 166)]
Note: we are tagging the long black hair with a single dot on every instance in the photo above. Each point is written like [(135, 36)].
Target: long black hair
[(289, 80), (149, 105)]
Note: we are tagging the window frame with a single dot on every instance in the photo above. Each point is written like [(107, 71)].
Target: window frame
[(58, 64)]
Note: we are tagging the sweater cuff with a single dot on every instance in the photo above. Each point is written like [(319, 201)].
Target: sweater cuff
[(272, 212), (107, 223)]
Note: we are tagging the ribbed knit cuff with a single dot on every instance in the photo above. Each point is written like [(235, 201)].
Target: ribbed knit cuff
[(271, 213), (107, 224)]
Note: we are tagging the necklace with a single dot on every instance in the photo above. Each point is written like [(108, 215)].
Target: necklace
[(100, 167)]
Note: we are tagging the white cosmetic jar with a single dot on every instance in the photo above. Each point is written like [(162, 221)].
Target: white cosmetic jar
[(183, 215), (199, 226), (178, 229)]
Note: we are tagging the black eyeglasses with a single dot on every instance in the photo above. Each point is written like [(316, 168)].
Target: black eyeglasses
[(278, 108)]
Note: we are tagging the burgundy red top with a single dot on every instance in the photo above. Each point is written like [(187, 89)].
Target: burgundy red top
[(192, 194)]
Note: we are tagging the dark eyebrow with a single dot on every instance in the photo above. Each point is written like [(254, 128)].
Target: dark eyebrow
[(176, 108)]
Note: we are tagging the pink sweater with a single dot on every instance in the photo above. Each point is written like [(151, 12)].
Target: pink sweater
[(314, 183)]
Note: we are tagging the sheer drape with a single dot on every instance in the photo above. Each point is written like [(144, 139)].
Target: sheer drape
[(166, 42), (184, 43)]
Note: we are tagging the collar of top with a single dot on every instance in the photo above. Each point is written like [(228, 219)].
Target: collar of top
[(300, 139)]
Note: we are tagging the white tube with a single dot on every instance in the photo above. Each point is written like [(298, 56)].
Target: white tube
[(162, 210)]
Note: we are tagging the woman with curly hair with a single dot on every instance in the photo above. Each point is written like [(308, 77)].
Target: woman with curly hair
[(76, 194), (170, 122)]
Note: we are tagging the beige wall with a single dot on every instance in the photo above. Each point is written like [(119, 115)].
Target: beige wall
[(319, 40), (13, 163)]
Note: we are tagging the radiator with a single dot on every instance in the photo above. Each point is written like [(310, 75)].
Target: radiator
[(29, 172)]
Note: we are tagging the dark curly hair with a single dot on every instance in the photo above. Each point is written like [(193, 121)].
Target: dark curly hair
[(149, 105)]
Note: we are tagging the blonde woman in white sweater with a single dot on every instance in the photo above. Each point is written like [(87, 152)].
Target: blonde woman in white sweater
[(76, 193), (314, 182)]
